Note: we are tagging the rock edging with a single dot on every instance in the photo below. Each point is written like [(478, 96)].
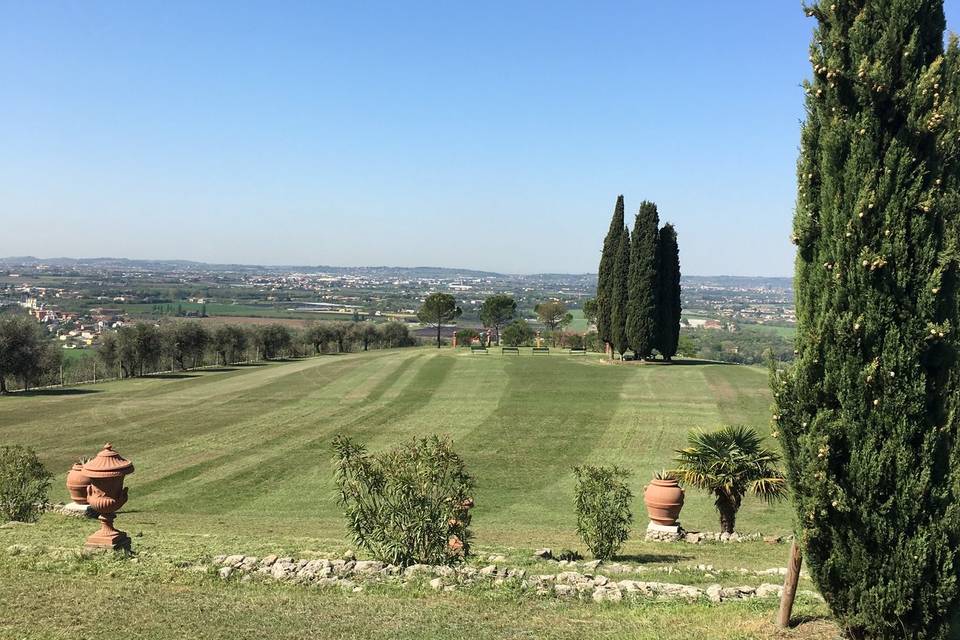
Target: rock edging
[(351, 575)]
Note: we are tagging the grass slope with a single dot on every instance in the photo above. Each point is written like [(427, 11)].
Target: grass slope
[(238, 460)]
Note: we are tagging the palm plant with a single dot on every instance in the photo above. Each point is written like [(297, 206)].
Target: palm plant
[(730, 463)]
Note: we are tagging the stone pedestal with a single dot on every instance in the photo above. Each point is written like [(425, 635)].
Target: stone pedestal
[(72, 508), (662, 533), (108, 537)]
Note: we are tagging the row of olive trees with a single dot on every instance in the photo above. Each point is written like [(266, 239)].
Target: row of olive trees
[(27, 356), (144, 347)]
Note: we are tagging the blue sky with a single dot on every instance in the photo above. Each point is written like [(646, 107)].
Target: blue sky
[(482, 135)]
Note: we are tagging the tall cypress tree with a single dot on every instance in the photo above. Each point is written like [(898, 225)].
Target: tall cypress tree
[(619, 295), (668, 297), (869, 413), (607, 259), (642, 306)]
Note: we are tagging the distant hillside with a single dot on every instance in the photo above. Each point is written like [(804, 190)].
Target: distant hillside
[(402, 273)]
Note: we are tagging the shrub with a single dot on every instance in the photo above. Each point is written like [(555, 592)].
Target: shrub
[(466, 336), (730, 463), (23, 483), (603, 509), (409, 505), (517, 334)]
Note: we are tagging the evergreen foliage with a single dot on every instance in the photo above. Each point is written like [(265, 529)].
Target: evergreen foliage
[(23, 484), (869, 414), (619, 295), (611, 245), (602, 502), (641, 320), (668, 297), (408, 505), (730, 463), (437, 310)]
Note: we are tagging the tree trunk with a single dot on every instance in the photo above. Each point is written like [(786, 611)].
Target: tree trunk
[(438, 335), (3, 386), (790, 585), (727, 507)]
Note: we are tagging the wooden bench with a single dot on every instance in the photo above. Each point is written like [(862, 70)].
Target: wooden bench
[(513, 350), (476, 349), (544, 350), (578, 352)]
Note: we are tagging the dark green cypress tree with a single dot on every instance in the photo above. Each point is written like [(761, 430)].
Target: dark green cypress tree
[(607, 259), (869, 412), (619, 295), (668, 298), (642, 306)]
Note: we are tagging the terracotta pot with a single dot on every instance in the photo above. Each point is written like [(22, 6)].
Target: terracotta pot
[(106, 494), (77, 484), (664, 500)]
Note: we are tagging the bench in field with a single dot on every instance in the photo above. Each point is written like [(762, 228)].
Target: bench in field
[(513, 350), (578, 352), (545, 350), (475, 349)]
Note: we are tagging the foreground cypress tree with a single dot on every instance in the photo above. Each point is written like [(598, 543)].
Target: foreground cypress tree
[(642, 283), (869, 413), (619, 295), (607, 259), (668, 296)]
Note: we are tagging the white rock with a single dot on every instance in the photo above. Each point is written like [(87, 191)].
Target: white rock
[(605, 594), (714, 593)]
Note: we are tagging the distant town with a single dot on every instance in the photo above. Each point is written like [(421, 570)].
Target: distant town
[(78, 300)]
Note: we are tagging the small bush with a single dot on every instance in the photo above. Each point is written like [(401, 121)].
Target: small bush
[(23, 484), (603, 509), (409, 505)]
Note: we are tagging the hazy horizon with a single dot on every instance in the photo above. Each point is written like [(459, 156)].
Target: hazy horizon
[(496, 136), (371, 266)]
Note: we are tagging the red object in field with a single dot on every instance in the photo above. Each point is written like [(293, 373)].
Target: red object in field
[(77, 484), (106, 494), (664, 500)]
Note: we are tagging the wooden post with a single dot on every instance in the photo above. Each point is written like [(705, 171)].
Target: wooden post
[(790, 585)]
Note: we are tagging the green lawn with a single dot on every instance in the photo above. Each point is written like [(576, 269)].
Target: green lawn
[(238, 460)]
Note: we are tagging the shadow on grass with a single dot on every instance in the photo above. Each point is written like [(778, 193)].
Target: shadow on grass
[(173, 376), (252, 364), (219, 369), (653, 558), (51, 392), (799, 621)]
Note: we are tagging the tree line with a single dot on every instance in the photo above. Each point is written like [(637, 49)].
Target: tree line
[(499, 314), (638, 286), (29, 358)]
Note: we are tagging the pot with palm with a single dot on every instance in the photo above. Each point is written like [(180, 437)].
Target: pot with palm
[(730, 463)]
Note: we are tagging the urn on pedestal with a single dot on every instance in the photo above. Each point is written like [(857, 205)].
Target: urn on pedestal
[(664, 500), (106, 494)]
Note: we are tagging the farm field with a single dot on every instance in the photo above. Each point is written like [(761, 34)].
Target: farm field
[(238, 460)]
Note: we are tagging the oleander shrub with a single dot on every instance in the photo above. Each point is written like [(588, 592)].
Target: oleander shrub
[(602, 502), (23, 484), (408, 505)]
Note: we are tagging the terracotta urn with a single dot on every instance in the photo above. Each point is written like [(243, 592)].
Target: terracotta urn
[(106, 494), (77, 484), (664, 500)]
